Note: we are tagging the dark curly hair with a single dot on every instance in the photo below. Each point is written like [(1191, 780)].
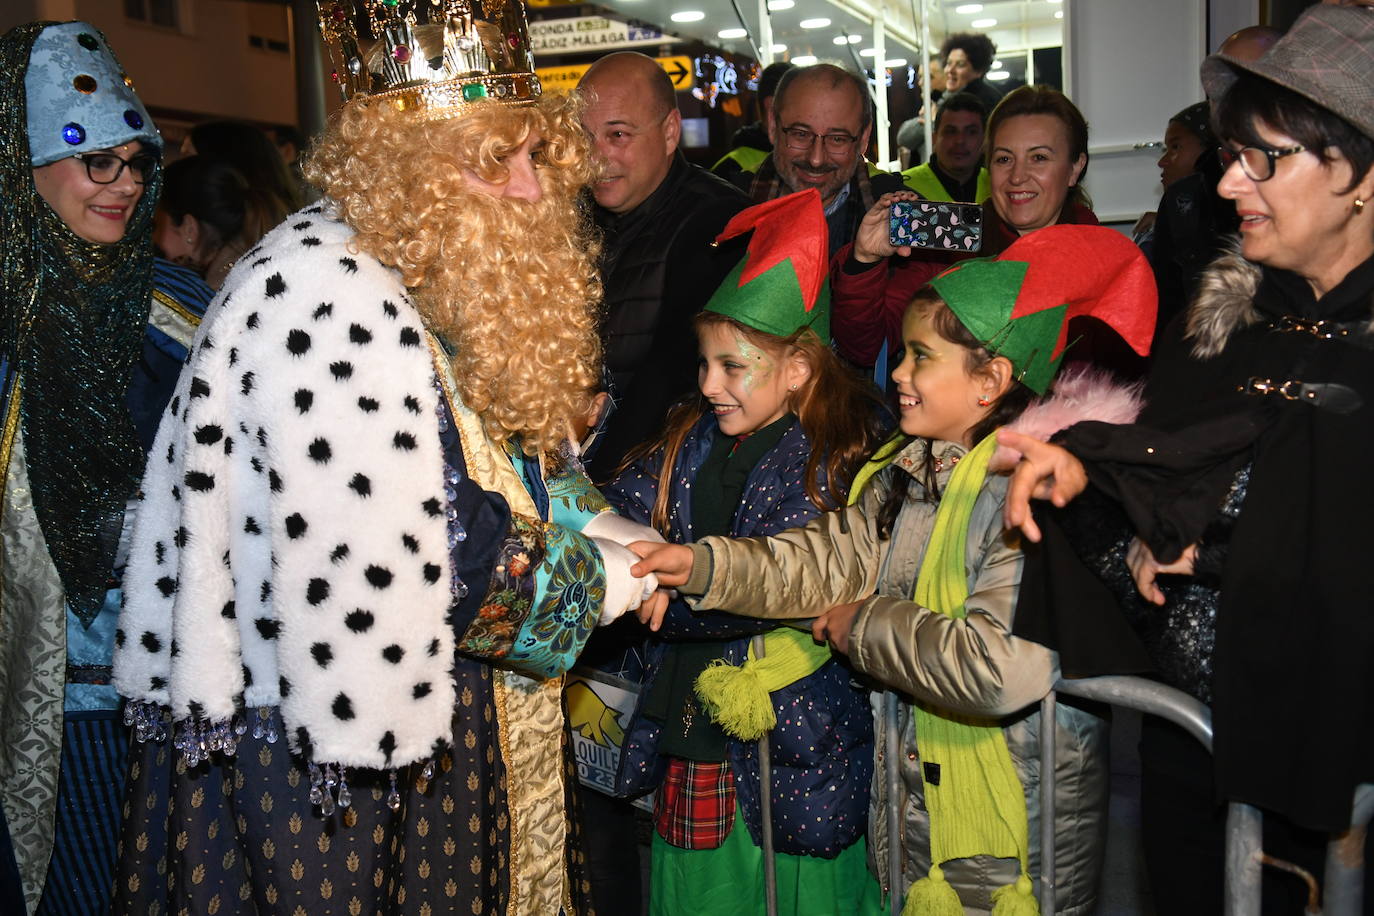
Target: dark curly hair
[(977, 47)]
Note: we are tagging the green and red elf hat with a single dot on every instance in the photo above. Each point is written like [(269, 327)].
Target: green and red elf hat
[(782, 282), (1019, 304)]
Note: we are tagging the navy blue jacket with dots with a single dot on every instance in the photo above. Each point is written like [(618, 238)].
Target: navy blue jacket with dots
[(822, 748)]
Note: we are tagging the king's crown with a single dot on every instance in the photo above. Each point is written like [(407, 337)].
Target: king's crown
[(437, 57)]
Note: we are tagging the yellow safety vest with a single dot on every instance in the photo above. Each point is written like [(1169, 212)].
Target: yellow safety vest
[(922, 180)]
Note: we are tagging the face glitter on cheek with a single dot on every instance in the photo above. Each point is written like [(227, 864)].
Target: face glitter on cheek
[(760, 363)]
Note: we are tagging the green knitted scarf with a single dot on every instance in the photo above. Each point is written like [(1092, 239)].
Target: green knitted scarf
[(976, 802), (736, 697)]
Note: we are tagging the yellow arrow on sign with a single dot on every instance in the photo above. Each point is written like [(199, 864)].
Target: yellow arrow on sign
[(678, 68)]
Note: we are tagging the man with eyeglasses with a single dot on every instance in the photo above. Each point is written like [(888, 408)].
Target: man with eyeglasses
[(822, 120), (658, 214)]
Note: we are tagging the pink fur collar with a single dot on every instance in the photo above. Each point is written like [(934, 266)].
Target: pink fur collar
[(1079, 394)]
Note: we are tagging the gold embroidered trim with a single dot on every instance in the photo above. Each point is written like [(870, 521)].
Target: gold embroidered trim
[(7, 452), (532, 744), (529, 713), (172, 318), (487, 464)]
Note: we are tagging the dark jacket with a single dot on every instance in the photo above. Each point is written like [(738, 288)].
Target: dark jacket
[(755, 135), (985, 92), (1291, 685), (822, 748), (1192, 228), (658, 269)]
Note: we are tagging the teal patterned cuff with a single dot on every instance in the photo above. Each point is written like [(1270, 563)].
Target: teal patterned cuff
[(570, 587)]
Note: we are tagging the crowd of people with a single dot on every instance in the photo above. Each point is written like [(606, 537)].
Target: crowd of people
[(323, 469)]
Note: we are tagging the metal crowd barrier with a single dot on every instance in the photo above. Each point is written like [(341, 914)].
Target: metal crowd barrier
[(1344, 877)]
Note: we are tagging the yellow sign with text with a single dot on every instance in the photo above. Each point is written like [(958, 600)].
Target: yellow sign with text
[(678, 68)]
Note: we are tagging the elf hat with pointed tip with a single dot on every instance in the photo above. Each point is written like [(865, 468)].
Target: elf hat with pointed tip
[(781, 284), (1019, 304)]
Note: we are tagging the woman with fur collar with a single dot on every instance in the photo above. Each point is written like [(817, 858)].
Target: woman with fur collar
[(1243, 480), (363, 534)]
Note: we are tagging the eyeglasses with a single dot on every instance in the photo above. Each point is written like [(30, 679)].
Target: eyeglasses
[(800, 138), (1256, 162), (105, 168)]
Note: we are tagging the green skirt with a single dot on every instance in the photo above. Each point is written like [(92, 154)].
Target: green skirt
[(728, 881)]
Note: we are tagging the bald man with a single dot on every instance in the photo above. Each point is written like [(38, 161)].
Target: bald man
[(659, 214), (1251, 42)]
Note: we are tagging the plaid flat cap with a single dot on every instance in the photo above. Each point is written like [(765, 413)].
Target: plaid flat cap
[(1327, 57)]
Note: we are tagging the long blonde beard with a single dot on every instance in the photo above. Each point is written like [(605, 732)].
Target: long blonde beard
[(517, 297)]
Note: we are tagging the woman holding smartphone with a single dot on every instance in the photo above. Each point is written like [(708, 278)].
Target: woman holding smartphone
[(1037, 154)]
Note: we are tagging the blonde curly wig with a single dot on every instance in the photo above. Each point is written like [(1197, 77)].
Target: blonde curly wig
[(512, 285)]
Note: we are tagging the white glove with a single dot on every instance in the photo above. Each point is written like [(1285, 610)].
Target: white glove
[(617, 528), (624, 592)]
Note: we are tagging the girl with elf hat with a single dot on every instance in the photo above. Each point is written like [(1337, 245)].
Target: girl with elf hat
[(916, 581), (774, 439), (92, 337)]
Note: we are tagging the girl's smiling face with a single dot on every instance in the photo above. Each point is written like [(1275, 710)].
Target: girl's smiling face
[(937, 395), (748, 385)]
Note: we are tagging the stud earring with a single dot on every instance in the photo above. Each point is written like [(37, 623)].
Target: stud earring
[(983, 402), (792, 387), (1359, 205)]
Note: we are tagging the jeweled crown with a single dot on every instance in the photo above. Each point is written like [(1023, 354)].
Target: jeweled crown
[(436, 57)]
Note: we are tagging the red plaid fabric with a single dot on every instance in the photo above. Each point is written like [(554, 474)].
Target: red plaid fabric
[(696, 804)]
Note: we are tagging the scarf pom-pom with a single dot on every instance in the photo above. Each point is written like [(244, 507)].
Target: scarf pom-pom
[(736, 700), (1016, 899), (932, 896)]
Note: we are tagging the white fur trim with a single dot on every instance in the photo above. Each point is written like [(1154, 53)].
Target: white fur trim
[(301, 457)]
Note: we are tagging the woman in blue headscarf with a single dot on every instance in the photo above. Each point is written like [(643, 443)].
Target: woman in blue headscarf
[(92, 334)]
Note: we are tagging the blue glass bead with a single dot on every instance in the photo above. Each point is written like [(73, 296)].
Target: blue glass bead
[(133, 119), (74, 134)]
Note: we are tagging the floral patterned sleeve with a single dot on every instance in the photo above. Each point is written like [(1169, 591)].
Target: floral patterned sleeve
[(533, 589)]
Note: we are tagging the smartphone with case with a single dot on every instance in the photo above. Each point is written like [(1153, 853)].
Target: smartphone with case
[(934, 225)]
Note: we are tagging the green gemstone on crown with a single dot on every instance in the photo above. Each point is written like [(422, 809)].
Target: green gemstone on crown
[(474, 91)]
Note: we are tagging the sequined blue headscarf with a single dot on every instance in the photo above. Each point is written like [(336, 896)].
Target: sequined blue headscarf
[(72, 318)]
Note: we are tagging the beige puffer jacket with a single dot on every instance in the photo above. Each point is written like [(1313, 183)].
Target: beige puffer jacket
[(972, 666)]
